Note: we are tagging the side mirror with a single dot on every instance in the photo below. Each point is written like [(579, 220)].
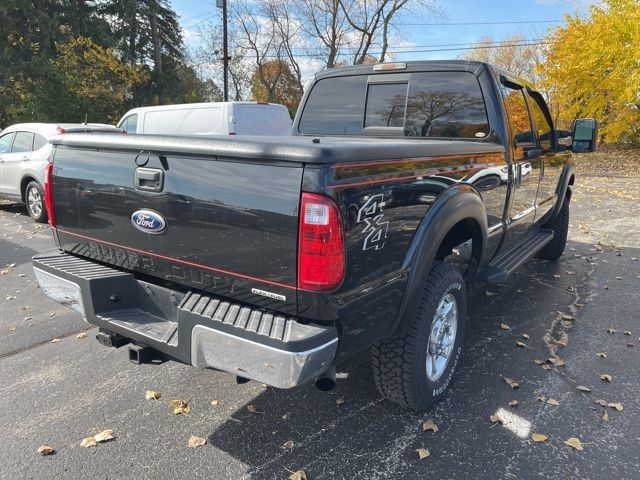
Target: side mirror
[(585, 135)]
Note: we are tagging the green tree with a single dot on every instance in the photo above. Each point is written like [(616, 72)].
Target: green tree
[(88, 80)]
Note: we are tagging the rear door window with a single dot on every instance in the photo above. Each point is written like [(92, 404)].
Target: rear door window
[(5, 142), (541, 124), (278, 121), (251, 120), (23, 142), (518, 117)]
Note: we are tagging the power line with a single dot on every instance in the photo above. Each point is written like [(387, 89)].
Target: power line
[(435, 50), (497, 43), (200, 22), (505, 22), (196, 16)]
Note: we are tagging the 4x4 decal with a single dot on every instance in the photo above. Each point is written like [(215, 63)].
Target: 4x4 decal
[(375, 228)]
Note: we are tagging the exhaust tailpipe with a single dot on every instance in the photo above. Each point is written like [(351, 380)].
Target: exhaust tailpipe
[(327, 381)]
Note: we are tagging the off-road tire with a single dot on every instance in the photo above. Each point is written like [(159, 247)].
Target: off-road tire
[(399, 363), (39, 216), (560, 226)]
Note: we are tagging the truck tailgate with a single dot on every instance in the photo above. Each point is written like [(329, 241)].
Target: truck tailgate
[(223, 226)]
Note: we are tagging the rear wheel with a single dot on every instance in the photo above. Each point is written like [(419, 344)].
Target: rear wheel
[(34, 199), (560, 226), (416, 369)]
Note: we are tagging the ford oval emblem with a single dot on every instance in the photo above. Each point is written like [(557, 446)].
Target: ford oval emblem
[(148, 221)]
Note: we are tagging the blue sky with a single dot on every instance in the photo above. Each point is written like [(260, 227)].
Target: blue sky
[(195, 13)]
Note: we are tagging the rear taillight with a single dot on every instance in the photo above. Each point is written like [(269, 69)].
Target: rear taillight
[(48, 194), (320, 244)]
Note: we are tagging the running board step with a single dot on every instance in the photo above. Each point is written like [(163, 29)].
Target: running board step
[(499, 269)]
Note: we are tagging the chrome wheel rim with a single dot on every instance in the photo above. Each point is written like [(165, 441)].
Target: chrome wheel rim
[(34, 201), (442, 337)]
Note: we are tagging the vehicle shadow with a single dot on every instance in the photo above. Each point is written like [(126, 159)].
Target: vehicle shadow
[(353, 433), (13, 208)]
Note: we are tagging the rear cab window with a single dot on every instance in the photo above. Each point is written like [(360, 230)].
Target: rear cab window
[(421, 104)]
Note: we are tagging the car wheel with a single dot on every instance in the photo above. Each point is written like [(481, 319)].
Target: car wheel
[(415, 369), (560, 226), (34, 198)]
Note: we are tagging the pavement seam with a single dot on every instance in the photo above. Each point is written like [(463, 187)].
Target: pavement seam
[(44, 342)]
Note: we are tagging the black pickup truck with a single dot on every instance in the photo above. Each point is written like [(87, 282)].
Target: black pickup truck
[(276, 259)]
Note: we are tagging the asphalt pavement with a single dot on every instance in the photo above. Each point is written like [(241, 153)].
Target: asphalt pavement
[(58, 385)]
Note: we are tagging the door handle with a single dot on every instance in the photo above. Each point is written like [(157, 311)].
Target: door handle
[(149, 179), (25, 158)]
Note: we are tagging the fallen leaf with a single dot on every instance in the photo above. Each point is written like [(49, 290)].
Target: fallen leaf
[(298, 475), (628, 333), (81, 335), (605, 377), (104, 436), (551, 360), (88, 442), (504, 326), (602, 403), (539, 437), (180, 407), (539, 362), (55, 340), (495, 419), (195, 442), (618, 406), (546, 366), (611, 330), (582, 388), (10, 297), (605, 415), (12, 328), (288, 444), (511, 383), (514, 403), (525, 336), (566, 316), (251, 408), (521, 344), (630, 344), (573, 442), (553, 401), (488, 293), (342, 375), (430, 425), (601, 355), (152, 395), (560, 362), (46, 450), (422, 453), (214, 403), (339, 401)]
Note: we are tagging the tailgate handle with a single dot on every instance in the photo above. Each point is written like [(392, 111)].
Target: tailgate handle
[(149, 179)]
